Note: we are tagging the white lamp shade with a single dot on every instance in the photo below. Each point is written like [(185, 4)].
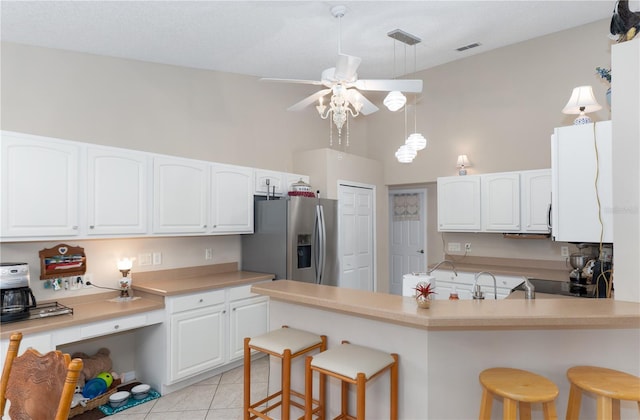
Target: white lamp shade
[(463, 161), (394, 100), (582, 100), (405, 154), (416, 141)]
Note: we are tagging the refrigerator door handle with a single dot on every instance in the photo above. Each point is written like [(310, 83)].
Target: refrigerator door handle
[(323, 244), (316, 244)]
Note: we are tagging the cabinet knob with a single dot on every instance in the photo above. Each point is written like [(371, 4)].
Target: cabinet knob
[(91, 227), (224, 312), (201, 300), (204, 226), (215, 226), (115, 327)]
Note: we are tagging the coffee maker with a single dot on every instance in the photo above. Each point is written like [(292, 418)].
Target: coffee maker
[(15, 295)]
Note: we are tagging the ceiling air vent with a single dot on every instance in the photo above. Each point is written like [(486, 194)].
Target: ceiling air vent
[(467, 47)]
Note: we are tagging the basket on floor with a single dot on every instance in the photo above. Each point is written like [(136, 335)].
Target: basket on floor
[(97, 401)]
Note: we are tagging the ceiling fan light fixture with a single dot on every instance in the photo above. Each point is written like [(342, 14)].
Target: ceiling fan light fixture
[(416, 141), (405, 154), (395, 100)]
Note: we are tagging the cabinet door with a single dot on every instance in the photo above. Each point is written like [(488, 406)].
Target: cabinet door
[(197, 341), (181, 195), (535, 200), (231, 199), (459, 204), (39, 179), (274, 179), (501, 202), (249, 318), (579, 202), (117, 191)]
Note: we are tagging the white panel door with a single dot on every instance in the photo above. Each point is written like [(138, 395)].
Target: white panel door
[(356, 237), (407, 235), (39, 186), (117, 190)]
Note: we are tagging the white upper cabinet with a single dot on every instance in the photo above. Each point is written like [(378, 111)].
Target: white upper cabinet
[(180, 195), (459, 203), (535, 200), (505, 202), (231, 199), (117, 191), (39, 179), (501, 202), (582, 207)]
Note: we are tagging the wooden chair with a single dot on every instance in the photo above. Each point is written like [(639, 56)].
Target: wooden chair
[(38, 386)]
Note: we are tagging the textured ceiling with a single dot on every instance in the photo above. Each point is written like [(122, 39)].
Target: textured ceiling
[(289, 39)]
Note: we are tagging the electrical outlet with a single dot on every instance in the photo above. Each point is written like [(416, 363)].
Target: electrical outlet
[(157, 258), (208, 254), (467, 247), (453, 247), (564, 251), (145, 259)]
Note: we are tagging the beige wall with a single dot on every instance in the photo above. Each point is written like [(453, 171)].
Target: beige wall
[(498, 107)]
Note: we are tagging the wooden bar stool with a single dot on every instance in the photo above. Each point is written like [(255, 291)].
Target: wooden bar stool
[(609, 386), (285, 344), (352, 365), (518, 389)]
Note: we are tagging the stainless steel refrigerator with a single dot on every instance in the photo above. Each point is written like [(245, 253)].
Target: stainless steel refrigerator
[(295, 238)]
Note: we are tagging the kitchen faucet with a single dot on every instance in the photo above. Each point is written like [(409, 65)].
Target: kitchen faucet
[(440, 263), (477, 291)]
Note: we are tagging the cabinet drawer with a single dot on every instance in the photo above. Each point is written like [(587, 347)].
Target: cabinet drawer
[(193, 301), (113, 326)]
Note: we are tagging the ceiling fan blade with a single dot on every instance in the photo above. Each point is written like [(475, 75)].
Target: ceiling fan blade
[(354, 96), (308, 100), (304, 82), (403, 85), (347, 67)]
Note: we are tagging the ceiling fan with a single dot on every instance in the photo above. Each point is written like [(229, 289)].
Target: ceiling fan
[(344, 86)]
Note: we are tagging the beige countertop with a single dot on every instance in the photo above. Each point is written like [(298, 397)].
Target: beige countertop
[(86, 309), (538, 313), (539, 269), (194, 279), (150, 288)]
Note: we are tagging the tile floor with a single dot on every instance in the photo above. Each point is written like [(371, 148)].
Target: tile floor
[(218, 398)]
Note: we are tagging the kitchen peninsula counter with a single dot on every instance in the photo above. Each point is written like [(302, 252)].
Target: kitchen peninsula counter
[(460, 314), (179, 281), (442, 350)]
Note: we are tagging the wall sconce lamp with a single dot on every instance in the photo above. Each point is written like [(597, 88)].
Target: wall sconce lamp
[(125, 282), (463, 163), (581, 102)]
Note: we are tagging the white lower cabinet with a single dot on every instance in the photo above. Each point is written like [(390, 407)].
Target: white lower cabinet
[(249, 317), (196, 333), (203, 336)]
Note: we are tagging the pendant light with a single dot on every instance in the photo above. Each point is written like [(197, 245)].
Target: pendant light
[(416, 140)]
